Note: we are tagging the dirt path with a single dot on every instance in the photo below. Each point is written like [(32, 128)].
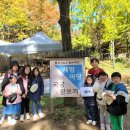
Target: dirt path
[(45, 124)]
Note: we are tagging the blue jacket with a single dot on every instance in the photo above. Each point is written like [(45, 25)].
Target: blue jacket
[(40, 91)]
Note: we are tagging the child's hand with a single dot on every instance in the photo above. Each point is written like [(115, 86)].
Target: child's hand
[(24, 96), (111, 95)]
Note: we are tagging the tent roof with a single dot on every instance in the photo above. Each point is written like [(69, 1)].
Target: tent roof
[(38, 38), (2, 43), (38, 43)]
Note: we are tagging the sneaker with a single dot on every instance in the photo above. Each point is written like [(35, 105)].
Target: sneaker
[(94, 123), (89, 122), (41, 115), (27, 116), (2, 120), (102, 126), (11, 121), (17, 117), (108, 127), (9, 118), (22, 118), (35, 117)]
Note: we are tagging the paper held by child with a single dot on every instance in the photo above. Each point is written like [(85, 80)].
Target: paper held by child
[(86, 91), (108, 92)]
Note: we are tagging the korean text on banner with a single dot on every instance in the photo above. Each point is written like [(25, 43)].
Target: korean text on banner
[(67, 76)]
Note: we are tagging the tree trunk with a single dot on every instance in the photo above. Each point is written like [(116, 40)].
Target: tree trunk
[(98, 35), (113, 53), (64, 22), (127, 44)]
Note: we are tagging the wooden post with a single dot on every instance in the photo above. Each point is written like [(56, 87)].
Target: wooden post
[(51, 105)]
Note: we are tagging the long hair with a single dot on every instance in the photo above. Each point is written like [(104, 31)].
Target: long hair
[(36, 68), (89, 76), (23, 74)]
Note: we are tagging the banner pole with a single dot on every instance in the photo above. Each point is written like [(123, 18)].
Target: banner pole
[(52, 105)]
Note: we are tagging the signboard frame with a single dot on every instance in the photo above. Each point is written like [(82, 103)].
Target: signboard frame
[(67, 76)]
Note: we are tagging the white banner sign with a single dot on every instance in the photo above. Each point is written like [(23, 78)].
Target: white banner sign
[(86, 91), (67, 76), (46, 86)]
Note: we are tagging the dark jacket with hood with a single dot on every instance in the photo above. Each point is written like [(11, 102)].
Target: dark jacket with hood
[(119, 105)]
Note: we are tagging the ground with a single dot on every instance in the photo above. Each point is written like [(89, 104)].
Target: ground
[(71, 124), (49, 124)]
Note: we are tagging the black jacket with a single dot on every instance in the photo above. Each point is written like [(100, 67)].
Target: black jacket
[(118, 106)]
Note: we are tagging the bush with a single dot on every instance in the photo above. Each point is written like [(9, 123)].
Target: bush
[(121, 60), (127, 64), (118, 60)]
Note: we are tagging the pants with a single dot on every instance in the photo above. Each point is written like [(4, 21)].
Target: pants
[(35, 105), (92, 112), (25, 105), (104, 115), (116, 122)]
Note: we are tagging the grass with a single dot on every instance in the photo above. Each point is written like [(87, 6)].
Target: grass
[(0, 102), (108, 67), (45, 101)]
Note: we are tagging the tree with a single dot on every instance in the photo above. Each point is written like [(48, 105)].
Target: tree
[(64, 22), (101, 21), (89, 23), (22, 18), (115, 22)]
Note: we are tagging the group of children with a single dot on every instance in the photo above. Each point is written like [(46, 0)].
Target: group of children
[(109, 101), (16, 91)]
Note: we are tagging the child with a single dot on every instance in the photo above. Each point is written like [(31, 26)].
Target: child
[(12, 108), (14, 69), (90, 103), (26, 80), (99, 86), (120, 98), (35, 96)]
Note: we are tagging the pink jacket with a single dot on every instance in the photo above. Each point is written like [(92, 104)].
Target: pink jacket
[(25, 84), (7, 92)]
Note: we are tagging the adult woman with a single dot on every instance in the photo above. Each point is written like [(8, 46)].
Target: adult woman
[(95, 70)]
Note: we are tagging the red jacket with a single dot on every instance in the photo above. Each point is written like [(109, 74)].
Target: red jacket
[(95, 72)]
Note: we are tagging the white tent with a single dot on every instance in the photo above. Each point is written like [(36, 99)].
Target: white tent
[(38, 43), (2, 43)]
